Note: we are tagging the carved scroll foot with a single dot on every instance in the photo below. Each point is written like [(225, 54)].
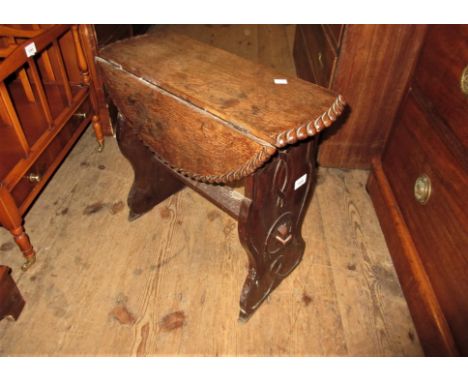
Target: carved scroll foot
[(153, 182), (257, 287), (271, 220)]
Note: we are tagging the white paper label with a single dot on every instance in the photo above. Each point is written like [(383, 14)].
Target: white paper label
[(280, 81), (30, 49), (300, 181)]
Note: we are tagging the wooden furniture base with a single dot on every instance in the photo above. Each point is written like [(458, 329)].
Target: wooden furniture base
[(269, 215), (11, 301)]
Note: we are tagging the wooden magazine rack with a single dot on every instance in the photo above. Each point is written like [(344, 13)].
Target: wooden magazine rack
[(46, 102)]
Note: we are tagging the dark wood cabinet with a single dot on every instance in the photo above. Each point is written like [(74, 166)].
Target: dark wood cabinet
[(419, 185), (370, 66)]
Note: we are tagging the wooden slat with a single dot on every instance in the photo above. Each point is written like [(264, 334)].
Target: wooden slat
[(5, 52), (49, 71), (41, 92), (62, 71), (18, 57), (4, 117), (23, 76), (16, 32), (10, 109)]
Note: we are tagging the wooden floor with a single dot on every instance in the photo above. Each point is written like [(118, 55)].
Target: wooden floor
[(169, 282)]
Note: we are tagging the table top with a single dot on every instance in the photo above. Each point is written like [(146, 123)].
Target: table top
[(254, 107)]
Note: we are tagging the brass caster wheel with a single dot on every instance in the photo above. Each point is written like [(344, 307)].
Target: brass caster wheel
[(29, 261), (100, 147)]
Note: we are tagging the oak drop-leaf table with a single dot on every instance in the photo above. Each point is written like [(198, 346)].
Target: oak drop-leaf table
[(191, 114)]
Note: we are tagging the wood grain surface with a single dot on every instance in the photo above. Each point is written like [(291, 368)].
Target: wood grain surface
[(223, 84), (372, 70), (186, 137), (426, 311), (443, 58)]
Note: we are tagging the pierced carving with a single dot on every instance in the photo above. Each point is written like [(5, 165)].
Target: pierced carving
[(270, 223), (280, 181), (311, 128), (279, 234)]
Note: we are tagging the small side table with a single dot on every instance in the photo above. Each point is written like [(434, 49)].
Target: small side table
[(189, 114)]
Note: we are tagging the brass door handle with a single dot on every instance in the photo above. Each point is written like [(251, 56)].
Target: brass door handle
[(422, 189), (464, 81), (34, 178)]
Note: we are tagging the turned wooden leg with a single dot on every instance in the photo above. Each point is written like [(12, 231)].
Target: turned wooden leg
[(10, 218), (86, 81), (98, 132), (11, 301), (271, 220), (153, 182)]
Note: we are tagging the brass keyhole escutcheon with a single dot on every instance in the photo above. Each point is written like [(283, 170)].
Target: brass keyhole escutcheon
[(422, 189), (464, 81)]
